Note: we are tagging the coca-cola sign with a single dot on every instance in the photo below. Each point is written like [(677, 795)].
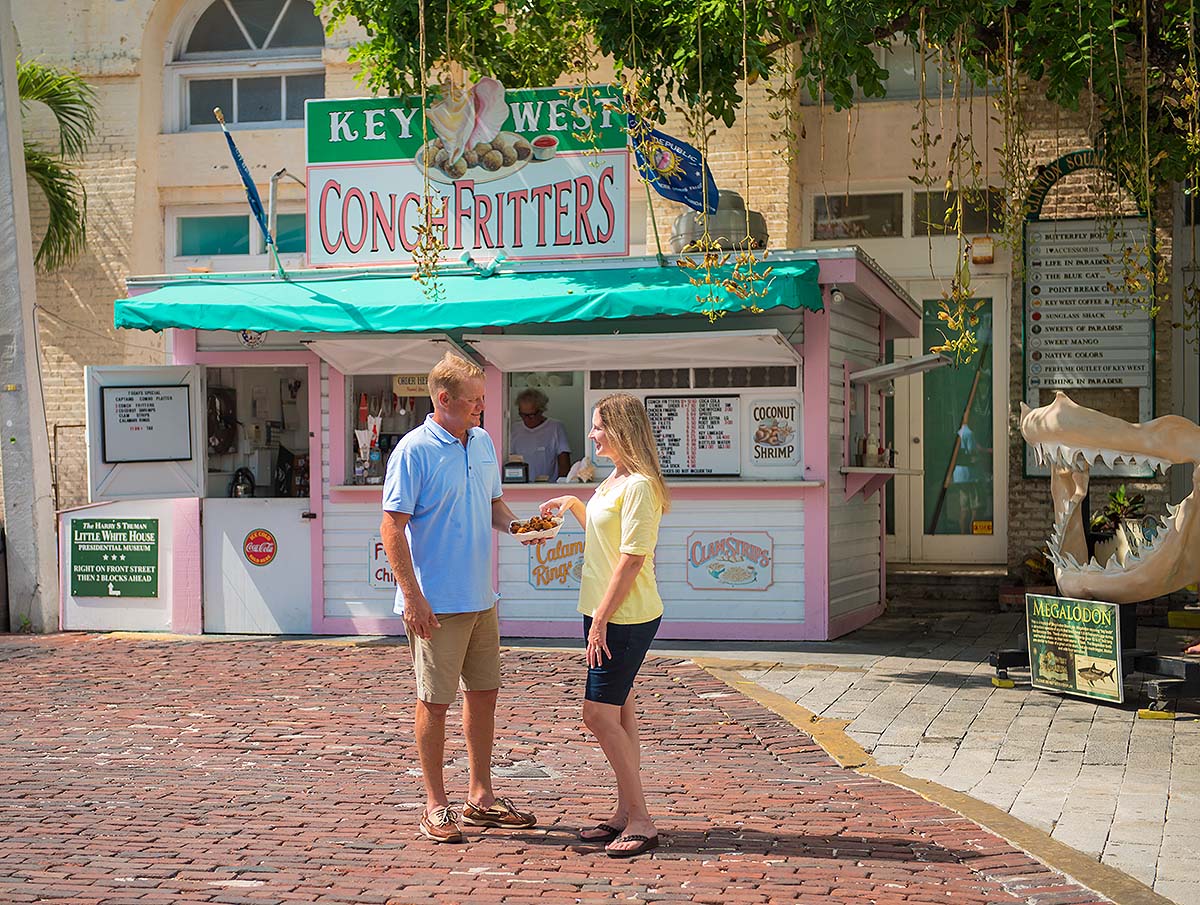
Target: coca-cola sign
[(259, 547)]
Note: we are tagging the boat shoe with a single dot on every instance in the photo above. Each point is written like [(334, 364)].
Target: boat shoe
[(441, 825), (503, 813)]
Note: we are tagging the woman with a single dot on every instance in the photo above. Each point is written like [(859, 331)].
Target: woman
[(620, 604)]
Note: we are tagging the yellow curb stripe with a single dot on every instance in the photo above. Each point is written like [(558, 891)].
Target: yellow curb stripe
[(831, 736)]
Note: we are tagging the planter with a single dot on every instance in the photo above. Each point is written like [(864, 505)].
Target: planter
[(1012, 596)]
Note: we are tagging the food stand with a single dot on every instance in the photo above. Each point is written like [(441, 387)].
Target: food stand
[(776, 530)]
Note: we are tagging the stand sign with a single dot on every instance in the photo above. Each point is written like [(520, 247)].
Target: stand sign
[(1075, 647), (114, 557)]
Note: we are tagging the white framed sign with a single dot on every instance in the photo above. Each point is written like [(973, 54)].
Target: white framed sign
[(697, 435), (145, 423), (1084, 329)]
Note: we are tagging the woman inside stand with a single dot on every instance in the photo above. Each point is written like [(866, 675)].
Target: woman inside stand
[(620, 604)]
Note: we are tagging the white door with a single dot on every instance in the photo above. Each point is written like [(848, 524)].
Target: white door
[(145, 432), (257, 566), (951, 425)]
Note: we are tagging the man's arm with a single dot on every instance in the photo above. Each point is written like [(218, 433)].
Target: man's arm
[(418, 614), (564, 464), (502, 516)]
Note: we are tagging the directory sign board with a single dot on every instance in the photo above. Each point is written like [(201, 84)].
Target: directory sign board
[(1085, 328)]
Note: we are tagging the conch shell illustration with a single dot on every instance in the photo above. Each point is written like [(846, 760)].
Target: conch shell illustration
[(467, 116), (1072, 439)]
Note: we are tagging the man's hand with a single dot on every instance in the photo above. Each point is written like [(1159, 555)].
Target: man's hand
[(419, 620)]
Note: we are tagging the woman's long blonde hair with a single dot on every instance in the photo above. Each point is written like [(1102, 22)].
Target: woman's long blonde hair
[(628, 429)]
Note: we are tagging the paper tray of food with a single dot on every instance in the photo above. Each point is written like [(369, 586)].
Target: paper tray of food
[(540, 527)]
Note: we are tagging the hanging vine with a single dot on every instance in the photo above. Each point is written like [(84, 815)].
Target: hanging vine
[(430, 229)]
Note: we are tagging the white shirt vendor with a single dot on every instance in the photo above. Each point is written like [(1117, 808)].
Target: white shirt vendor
[(540, 446)]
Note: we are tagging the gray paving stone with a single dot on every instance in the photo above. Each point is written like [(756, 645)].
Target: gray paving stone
[(1121, 789)]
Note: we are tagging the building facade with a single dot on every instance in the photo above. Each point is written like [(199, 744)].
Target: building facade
[(164, 197)]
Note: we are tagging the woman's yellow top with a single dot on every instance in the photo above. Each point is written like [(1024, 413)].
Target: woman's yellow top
[(624, 519)]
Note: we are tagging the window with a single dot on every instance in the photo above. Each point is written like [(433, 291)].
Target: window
[(258, 60), (874, 216), (933, 212), (902, 82), (235, 234), (200, 238)]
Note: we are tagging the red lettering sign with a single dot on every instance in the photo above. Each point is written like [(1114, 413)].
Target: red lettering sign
[(259, 547)]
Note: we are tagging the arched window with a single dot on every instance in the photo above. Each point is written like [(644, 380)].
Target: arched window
[(258, 60)]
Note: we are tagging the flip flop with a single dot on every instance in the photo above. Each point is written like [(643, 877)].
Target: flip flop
[(610, 833), (646, 843)]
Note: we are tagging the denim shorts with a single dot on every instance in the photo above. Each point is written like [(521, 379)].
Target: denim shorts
[(611, 682)]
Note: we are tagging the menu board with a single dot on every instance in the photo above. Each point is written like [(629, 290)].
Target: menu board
[(1083, 328), (146, 423), (696, 435)]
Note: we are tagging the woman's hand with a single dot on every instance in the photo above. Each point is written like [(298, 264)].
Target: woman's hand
[(559, 506), (597, 644)]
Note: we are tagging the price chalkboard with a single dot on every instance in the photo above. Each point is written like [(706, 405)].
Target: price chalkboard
[(697, 435)]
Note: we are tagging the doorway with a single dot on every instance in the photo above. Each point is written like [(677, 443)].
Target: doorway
[(950, 424), (257, 521)]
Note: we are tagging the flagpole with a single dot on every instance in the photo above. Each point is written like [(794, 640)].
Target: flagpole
[(252, 196)]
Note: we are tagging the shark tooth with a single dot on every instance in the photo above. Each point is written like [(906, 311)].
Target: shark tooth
[(1108, 457), (1112, 562), (1074, 563), (1092, 566)]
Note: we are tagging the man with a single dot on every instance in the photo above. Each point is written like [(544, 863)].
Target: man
[(540, 441), (441, 501)]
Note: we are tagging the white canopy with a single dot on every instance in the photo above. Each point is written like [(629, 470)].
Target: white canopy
[(724, 348), (385, 354)]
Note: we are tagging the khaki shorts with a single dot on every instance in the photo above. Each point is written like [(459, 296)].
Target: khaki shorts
[(464, 651)]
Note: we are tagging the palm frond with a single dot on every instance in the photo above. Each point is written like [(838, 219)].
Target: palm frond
[(66, 200), (66, 95)]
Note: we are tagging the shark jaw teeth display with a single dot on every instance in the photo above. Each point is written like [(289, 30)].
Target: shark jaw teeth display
[(1080, 461), (1053, 454)]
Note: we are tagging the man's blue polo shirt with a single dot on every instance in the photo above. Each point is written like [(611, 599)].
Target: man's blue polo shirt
[(448, 490)]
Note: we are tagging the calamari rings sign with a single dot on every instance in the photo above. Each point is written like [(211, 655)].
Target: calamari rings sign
[(730, 560), (533, 173), (558, 563)]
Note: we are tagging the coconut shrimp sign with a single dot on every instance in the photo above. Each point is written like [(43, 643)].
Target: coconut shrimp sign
[(530, 173)]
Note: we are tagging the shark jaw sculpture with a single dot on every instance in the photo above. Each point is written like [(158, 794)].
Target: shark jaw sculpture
[(1072, 439)]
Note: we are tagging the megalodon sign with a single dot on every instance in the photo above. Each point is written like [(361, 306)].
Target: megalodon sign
[(534, 174)]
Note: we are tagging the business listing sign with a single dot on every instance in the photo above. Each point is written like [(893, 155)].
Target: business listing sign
[(532, 173)]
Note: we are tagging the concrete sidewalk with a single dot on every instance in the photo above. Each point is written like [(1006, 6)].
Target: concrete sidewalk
[(916, 694), (146, 772)]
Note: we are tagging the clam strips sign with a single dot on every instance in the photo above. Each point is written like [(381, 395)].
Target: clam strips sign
[(730, 560), (530, 173)]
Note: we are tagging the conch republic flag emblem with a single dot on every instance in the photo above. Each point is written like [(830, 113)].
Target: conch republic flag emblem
[(536, 174), (674, 168)]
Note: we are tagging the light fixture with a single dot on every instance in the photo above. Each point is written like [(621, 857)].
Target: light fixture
[(836, 296), (902, 368), (889, 389)]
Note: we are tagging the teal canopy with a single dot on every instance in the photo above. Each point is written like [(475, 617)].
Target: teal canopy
[(315, 302)]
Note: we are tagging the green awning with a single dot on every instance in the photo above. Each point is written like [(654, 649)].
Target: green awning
[(316, 302)]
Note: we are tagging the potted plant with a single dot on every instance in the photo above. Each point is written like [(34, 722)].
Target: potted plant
[(1117, 525), (1035, 575)]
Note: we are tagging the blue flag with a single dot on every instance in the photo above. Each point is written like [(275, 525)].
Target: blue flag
[(672, 166), (256, 205)]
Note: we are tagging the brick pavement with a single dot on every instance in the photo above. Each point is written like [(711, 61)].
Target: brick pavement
[(147, 772)]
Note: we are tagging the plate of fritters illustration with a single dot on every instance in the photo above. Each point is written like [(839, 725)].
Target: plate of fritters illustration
[(483, 162)]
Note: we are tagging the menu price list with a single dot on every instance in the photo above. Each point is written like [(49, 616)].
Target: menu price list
[(696, 435)]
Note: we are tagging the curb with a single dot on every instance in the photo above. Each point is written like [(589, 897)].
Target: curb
[(831, 735)]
